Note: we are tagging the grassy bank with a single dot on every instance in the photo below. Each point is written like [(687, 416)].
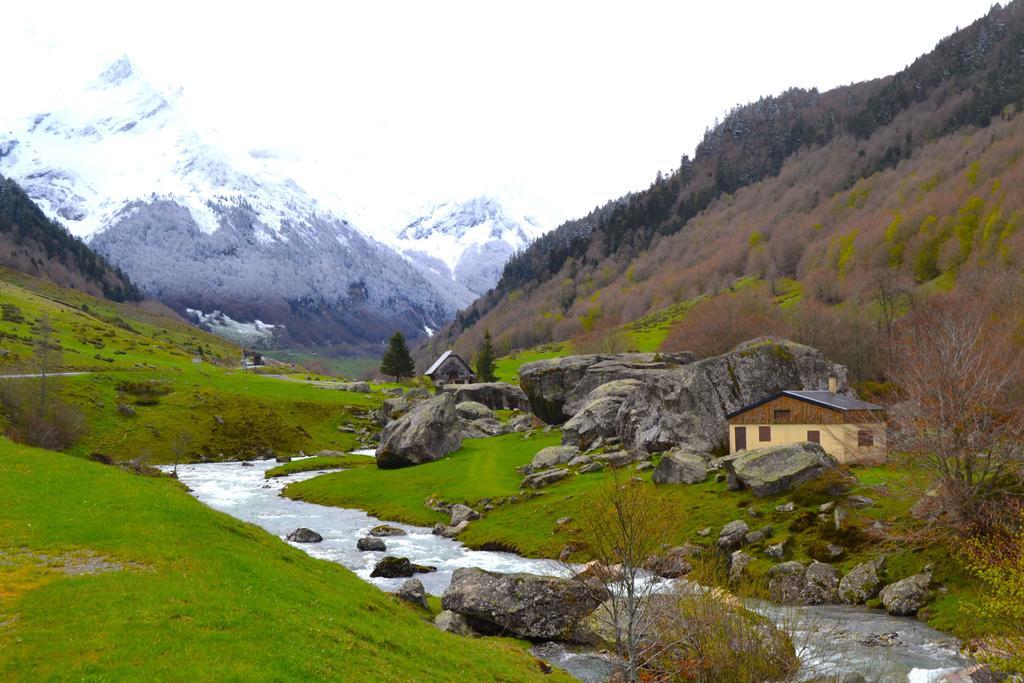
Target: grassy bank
[(319, 462), (528, 525), (111, 576)]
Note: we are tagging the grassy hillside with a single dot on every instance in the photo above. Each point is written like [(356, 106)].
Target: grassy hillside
[(913, 178), (144, 392), (106, 575)]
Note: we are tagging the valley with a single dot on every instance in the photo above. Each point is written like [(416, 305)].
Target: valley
[(310, 370)]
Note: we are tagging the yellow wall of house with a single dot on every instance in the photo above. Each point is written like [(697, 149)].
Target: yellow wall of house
[(839, 440)]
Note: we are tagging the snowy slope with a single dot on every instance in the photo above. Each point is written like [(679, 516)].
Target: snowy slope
[(469, 241), (202, 228)]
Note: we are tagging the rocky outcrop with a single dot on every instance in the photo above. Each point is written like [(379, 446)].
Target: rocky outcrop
[(494, 395), (774, 469), (472, 410), (521, 605), (371, 543), (862, 583), (521, 423), (906, 596), (395, 567), (430, 430), (304, 535), (680, 467), (356, 387), (554, 455), (596, 420), (558, 387), (618, 458), (686, 406), (412, 591)]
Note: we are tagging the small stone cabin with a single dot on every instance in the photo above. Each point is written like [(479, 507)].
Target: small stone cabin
[(851, 430), (450, 369)]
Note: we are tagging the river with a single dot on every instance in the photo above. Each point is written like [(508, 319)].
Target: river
[(828, 638)]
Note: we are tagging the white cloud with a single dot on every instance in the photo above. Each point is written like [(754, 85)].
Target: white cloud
[(569, 103)]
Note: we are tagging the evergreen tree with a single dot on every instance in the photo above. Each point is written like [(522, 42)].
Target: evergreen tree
[(397, 361), (485, 360)]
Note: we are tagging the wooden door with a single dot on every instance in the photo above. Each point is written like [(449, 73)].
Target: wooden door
[(741, 439), (814, 436)]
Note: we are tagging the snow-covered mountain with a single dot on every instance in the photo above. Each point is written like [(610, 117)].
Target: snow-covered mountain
[(469, 241), (201, 228)]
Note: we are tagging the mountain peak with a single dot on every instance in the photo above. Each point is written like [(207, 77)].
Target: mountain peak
[(116, 73)]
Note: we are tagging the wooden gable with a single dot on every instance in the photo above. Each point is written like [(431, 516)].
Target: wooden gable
[(790, 410)]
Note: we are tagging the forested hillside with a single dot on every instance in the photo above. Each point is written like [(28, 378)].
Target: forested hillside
[(32, 243), (912, 181)]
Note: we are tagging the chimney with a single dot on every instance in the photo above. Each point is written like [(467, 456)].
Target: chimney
[(833, 384)]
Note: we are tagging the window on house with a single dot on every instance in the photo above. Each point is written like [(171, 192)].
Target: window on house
[(764, 433), (814, 436), (865, 438), (781, 415)]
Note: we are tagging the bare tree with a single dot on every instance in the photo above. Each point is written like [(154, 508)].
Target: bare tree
[(626, 532), (180, 446), (958, 369), (45, 358)]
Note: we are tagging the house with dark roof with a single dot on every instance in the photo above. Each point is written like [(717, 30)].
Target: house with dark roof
[(851, 430), (449, 368)]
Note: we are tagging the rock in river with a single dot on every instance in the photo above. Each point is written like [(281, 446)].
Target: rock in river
[(386, 530), (394, 567), (522, 605), (369, 543), (906, 596), (304, 535), (430, 430)]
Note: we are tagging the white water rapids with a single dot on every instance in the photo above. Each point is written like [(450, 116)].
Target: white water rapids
[(828, 638)]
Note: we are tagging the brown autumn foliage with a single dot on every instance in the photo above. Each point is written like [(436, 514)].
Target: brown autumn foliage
[(949, 201)]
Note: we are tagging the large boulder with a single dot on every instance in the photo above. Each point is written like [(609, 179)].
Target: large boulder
[(393, 408), (906, 596), (774, 469), (494, 395), (686, 406), (597, 418), (786, 583), (821, 585), (473, 410), (483, 427), (680, 467), (394, 567), (463, 513), (559, 387), (554, 455), (521, 605), (430, 430), (861, 583)]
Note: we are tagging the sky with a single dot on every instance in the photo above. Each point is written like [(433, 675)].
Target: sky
[(563, 105)]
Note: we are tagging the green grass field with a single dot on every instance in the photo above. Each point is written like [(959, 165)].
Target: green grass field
[(219, 410), (106, 575)]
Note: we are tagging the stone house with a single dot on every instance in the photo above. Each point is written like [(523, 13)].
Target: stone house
[(449, 368), (849, 429)]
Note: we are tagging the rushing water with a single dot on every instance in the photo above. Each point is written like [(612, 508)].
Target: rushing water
[(829, 638)]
